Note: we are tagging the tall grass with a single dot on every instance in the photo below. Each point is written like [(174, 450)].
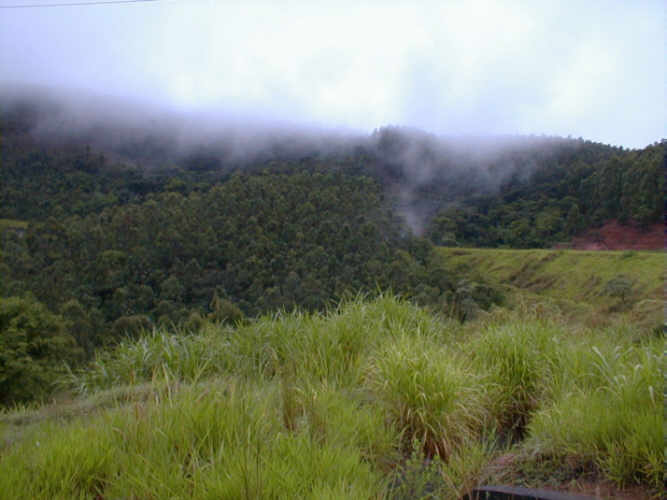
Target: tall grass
[(225, 442), (613, 417), (309, 345), (429, 393), (370, 400), (521, 361), (154, 356), (582, 399)]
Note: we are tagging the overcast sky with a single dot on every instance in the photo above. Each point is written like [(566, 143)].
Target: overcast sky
[(589, 68)]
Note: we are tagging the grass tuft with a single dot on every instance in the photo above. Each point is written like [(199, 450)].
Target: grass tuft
[(429, 393), (520, 359)]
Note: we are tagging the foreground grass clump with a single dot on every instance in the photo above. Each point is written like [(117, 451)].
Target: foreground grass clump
[(376, 399), (521, 360), (430, 393), (225, 440), (319, 346), (616, 425)]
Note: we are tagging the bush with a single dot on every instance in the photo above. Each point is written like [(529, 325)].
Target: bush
[(620, 286), (132, 325), (33, 349), (224, 311)]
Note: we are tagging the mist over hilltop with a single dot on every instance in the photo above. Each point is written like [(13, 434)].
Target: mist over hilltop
[(422, 171), (123, 126), (411, 163)]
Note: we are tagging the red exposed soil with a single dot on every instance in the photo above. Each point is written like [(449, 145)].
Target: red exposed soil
[(614, 236)]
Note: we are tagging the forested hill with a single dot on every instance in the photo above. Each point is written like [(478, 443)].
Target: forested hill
[(94, 248), (560, 200), (116, 227), (494, 191)]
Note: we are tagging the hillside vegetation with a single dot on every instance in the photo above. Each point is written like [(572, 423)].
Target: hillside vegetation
[(375, 399), (117, 229), (177, 312), (608, 281), (549, 201)]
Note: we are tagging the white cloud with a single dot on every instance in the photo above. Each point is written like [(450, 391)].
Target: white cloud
[(594, 68)]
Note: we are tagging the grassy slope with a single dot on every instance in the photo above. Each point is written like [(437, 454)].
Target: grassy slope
[(13, 224), (572, 278), (331, 406)]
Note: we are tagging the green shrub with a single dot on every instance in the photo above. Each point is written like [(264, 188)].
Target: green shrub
[(619, 286), (34, 348), (132, 325)]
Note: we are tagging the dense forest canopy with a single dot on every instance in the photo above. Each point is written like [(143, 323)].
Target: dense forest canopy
[(115, 224), (423, 174)]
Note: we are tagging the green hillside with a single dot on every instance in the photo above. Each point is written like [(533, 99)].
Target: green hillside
[(376, 399), (176, 301), (116, 230), (605, 281), (558, 198)]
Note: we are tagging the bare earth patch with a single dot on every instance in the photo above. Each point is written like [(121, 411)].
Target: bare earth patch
[(614, 236)]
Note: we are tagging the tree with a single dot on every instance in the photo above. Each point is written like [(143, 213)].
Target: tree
[(78, 324), (573, 220), (619, 286), (33, 349), (224, 311)]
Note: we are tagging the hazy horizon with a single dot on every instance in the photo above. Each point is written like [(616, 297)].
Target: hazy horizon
[(463, 69)]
